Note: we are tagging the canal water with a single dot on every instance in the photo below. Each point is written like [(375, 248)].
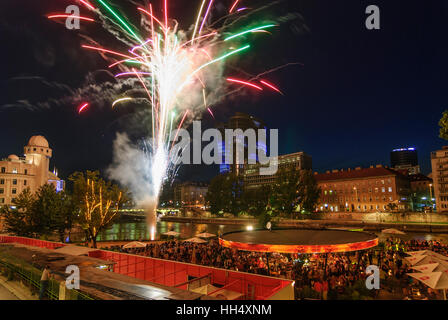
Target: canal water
[(137, 230)]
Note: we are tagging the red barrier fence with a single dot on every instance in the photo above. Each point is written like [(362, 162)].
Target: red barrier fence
[(173, 273), (31, 242)]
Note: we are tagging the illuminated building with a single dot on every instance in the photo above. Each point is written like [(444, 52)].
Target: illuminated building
[(405, 158), (363, 190), (297, 161), (439, 164), (240, 121), (190, 194), (30, 171)]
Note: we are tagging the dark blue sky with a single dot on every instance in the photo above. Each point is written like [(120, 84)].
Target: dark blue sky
[(358, 95)]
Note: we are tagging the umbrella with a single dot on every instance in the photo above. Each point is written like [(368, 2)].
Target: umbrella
[(206, 235), (196, 240), (420, 260), (434, 280), (427, 253), (392, 231), (134, 244), (430, 267), (171, 233)]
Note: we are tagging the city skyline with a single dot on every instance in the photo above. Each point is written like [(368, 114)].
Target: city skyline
[(358, 94)]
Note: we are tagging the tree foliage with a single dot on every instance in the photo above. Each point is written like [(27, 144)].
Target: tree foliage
[(40, 214), (225, 194), (443, 123), (98, 202)]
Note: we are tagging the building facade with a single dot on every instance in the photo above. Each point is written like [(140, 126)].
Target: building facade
[(405, 158), (439, 164), (190, 194), (240, 121), (422, 189), (363, 190), (297, 161), (30, 171)]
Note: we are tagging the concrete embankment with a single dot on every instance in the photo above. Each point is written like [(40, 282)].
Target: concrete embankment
[(319, 224)]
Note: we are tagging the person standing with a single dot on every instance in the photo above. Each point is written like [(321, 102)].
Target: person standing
[(44, 280)]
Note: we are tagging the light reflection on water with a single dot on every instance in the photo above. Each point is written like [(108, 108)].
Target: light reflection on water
[(139, 231)]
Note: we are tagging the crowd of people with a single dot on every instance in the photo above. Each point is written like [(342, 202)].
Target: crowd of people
[(331, 276)]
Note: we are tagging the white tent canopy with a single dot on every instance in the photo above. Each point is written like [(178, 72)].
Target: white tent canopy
[(419, 260), (392, 231), (205, 235), (427, 253), (134, 244), (434, 280), (171, 233), (196, 240), (430, 267)]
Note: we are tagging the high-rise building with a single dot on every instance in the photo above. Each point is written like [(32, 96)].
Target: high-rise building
[(439, 164), (240, 121), (405, 158), (30, 171)]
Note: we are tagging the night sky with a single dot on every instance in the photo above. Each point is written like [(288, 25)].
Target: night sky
[(357, 94)]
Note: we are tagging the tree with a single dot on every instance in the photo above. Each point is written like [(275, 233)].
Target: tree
[(256, 200), (294, 189), (285, 194), (40, 214), (98, 202), (56, 211), (309, 191), (225, 194), (443, 123), (18, 218)]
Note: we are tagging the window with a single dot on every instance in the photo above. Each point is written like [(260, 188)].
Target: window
[(2, 191), (24, 182), (26, 171), (383, 189), (390, 189), (14, 181), (14, 191), (2, 181), (14, 170), (13, 199), (3, 169), (2, 200)]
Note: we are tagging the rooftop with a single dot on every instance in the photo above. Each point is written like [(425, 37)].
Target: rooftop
[(358, 173)]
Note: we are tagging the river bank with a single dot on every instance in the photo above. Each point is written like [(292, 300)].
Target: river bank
[(319, 224)]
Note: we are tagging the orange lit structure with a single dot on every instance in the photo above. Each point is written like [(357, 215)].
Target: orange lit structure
[(299, 241)]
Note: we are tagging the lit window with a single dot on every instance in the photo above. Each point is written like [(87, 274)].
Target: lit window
[(14, 170), (390, 189)]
